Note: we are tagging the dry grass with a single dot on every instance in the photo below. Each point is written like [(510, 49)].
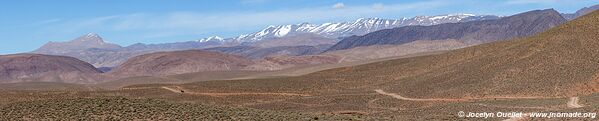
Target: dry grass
[(139, 109)]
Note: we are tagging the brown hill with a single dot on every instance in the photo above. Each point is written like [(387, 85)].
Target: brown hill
[(179, 62), (45, 68), (365, 53)]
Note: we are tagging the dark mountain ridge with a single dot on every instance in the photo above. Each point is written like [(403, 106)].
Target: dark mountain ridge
[(581, 12), (474, 32)]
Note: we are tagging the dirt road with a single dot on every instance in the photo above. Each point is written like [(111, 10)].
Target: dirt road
[(413, 99), (461, 99), (177, 89), (572, 103)]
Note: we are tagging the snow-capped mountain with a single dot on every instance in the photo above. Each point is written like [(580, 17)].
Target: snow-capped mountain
[(90, 38), (276, 32), (212, 38), (359, 27)]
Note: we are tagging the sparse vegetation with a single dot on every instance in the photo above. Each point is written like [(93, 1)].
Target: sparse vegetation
[(139, 109)]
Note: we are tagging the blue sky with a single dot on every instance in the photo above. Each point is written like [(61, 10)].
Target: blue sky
[(28, 24)]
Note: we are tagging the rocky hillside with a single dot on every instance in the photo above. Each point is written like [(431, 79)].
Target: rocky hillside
[(179, 62), (45, 68), (520, 25)]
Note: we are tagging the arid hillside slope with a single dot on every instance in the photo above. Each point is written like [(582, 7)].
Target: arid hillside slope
[(179, 62), (365, 53), (35, 67), (562, 61)]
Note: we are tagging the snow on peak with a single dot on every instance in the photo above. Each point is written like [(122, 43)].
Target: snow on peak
[(462, 14), (92, 35), (360, 19), (360, 26), (212, 38), (216, 38), (283, 30), (451, 16)]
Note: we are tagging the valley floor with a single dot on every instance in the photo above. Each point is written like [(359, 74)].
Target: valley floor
[(168, 102)]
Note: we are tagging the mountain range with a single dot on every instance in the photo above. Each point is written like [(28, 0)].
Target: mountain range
[(297, 48), (282, 40), (473, 32), (93, 49), (358, 27)]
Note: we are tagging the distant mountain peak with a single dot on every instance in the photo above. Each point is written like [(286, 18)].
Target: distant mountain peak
[(92, 35), (87, 41), (89, 37), (212, 38), (581, 12)]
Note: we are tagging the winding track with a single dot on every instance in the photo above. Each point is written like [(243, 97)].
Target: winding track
[(412, 99), (460, 99), (572, 103), (178, 89)]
